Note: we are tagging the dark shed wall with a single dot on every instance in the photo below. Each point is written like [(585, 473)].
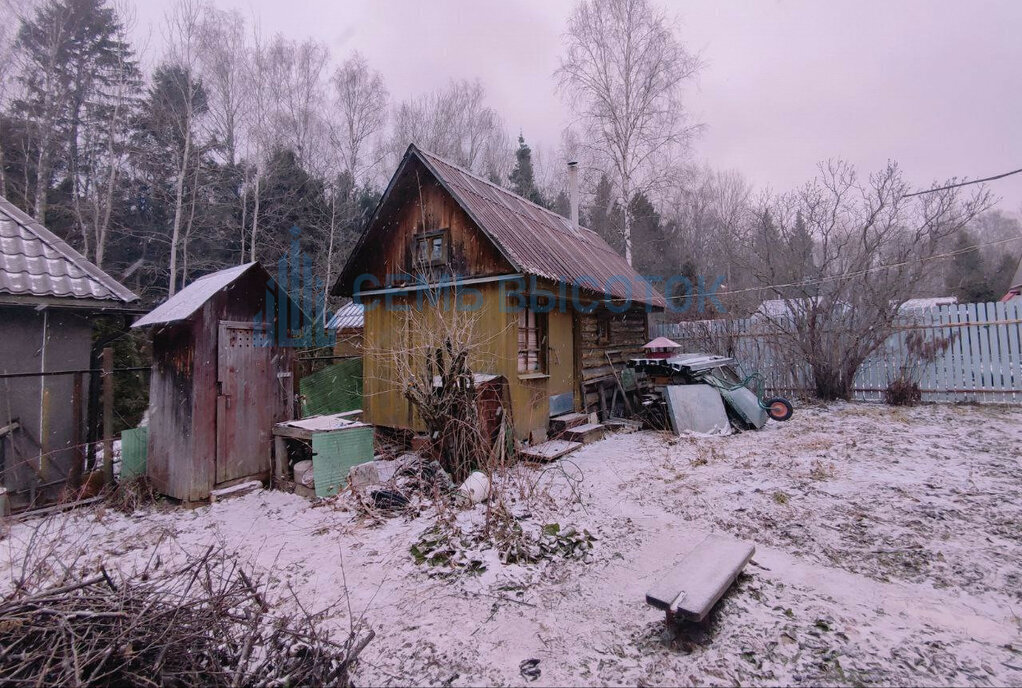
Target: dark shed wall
[(170, 413), (38, 458)]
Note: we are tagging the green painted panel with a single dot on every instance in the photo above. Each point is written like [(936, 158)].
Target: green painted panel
[(335, 389), (333, 455), (134, 448)]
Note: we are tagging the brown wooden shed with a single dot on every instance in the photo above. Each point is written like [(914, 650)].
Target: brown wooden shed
[(217, 387)]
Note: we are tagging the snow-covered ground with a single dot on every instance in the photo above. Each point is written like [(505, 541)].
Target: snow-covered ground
[(889, 550)]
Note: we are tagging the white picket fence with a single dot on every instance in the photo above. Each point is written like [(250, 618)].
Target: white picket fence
[(982, 361)]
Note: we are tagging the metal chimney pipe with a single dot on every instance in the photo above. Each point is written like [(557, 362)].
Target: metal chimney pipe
[(573, 193)]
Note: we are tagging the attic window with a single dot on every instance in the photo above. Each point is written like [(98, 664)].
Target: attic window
[(431, 248)]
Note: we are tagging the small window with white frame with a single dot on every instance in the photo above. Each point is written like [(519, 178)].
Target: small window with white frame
[(532, 342)]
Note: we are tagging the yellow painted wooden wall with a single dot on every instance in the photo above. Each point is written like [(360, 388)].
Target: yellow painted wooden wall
[(397, 341)]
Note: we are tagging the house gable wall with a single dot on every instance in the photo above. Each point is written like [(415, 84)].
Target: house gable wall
[(418, 204)]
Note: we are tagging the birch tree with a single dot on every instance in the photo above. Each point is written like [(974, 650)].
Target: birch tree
[(358, 116), (224, 57), (359, 113), (456, 123), (8, 22), (222, 53), (184, 29), (623, 73)]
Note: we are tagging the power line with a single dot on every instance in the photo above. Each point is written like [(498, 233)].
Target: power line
[(846, 275), (955, 186)]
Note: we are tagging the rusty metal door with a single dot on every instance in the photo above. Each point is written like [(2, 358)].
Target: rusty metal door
[(245, 403)]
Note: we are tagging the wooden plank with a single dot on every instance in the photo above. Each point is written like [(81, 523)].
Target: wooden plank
[(590, 432), (701, 578), (982, 350), (993, 350), (1002, 347), (1012, 335), (957, 348), (550, 450), (970, 357)]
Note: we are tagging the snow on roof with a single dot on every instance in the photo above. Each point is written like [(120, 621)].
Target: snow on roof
[(189, 300), (931, 302), (348, 317), (662, 343)]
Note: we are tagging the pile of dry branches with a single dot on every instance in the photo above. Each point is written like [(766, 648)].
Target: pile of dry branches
[(205, 623)]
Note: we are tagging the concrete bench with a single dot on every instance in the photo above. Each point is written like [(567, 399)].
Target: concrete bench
[(701, 578)]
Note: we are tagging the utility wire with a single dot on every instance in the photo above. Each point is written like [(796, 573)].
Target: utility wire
[(955, 186), (844, 275)]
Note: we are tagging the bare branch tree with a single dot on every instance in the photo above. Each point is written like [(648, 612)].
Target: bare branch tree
[(841, 255), (222, 52), (360, 112), (184, 32), (457, 124), (623, 73)]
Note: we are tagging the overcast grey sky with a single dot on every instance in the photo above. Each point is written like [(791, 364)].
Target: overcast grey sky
[(936, 86)]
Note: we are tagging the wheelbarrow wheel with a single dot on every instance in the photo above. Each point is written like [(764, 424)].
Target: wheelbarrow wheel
[(778, 408)]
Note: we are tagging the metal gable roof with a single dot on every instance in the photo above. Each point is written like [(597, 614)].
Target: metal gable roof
[(35, 262), (189, 300), (539, 241), (536, 241), (348, 317)]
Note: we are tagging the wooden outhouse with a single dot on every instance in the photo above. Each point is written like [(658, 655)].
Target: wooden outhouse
[(221, 379), (439, 225)]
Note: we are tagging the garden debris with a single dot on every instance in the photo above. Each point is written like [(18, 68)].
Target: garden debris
[(476, 487), (529, 668), (389, 500), (205, 623)]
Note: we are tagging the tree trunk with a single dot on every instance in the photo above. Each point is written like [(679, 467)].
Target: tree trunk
[(42, 180), (244, 218), (626, 187), (175, 236), (255, 219), (330, 252)]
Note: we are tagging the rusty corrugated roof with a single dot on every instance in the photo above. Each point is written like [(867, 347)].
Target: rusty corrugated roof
[(536, 240), (35, 262)]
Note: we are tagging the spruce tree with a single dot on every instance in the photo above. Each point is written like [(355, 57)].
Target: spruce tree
[(522, 177)]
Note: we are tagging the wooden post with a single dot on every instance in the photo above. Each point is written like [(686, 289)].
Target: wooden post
[(77, 455), (108, 416)]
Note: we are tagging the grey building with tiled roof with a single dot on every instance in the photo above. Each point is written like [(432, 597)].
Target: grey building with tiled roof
[(50, 297)]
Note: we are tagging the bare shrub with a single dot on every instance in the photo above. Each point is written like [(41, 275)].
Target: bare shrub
[(841, 255), (920, 352)]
